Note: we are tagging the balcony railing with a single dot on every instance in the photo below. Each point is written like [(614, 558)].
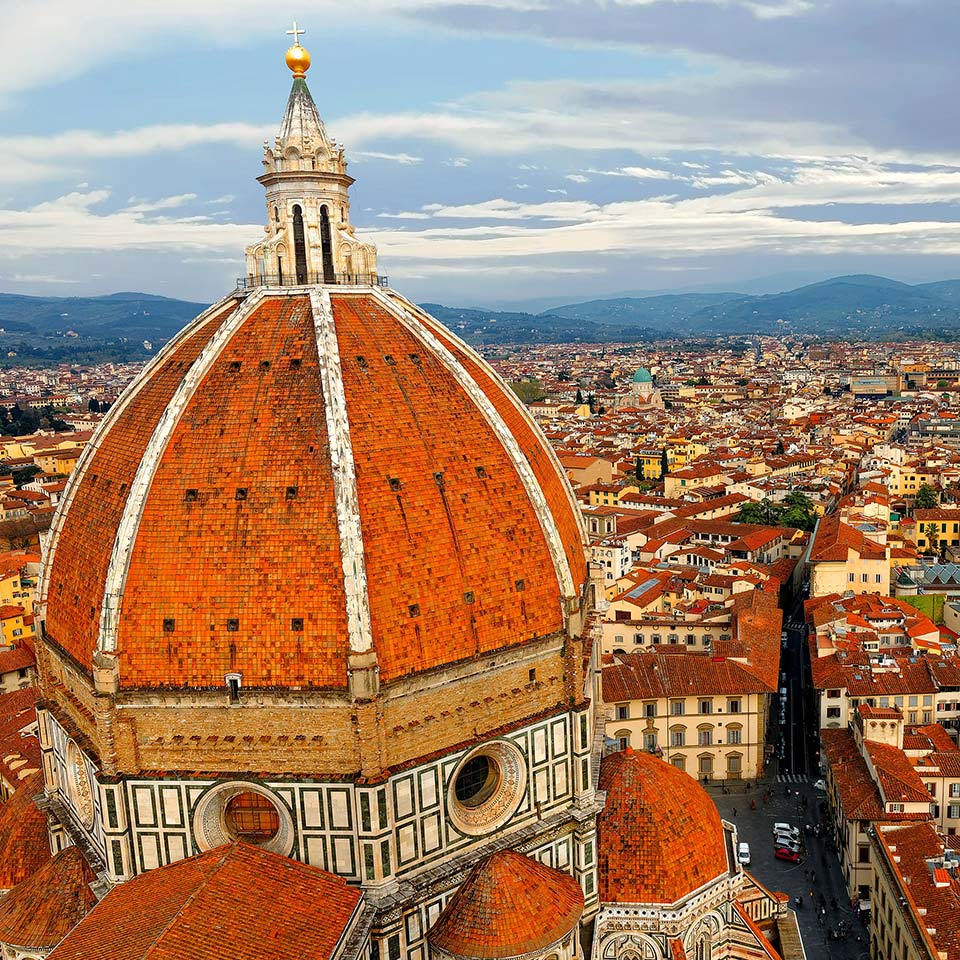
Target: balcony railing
[(310, 279)]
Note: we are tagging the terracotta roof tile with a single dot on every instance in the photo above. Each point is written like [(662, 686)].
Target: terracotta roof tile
[(237, 901), (24, 843), (39, 912), (659, 837), (507, 906)]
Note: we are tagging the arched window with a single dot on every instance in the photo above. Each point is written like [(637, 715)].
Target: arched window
[(623, 739), (326, 246), (299, 244)]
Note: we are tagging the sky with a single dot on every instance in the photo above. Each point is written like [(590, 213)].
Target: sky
[(506, 152)]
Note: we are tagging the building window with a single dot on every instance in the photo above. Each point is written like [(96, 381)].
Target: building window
[(954, 790), (953, 811), (650, 710), (896, 808), (863, 578), (733, 765), (833, 711), (927, 716), (691, 639), (705, 765), (650, 742), (734, 734), (851, 577), (733, 706), (676, 708), (706, 706), (877, 578), (680, 762), (863, 854), (833, 694), (678, 738), (705, 736), (623, 711)]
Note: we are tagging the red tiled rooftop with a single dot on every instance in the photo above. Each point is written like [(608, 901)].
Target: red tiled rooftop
[(659, 837), (457, 561), (39, 912), (237, 901), (508, 905)]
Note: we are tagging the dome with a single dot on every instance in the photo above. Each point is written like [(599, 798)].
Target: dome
[(659, 837), (302, 474), (642, 376), (508, 906)]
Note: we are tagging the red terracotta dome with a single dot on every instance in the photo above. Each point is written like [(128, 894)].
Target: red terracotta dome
[(301, 474), (509, 905), (659, 837)]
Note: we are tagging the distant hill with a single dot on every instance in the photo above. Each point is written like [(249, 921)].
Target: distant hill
[(489, 326), (134, 315), (863, 306), (662, 312)]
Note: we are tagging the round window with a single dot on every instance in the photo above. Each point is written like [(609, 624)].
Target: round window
[(486, 788), (243, 811), (477, 780), (251, 817)]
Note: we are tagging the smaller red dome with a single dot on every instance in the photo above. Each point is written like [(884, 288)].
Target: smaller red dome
[(508, 905), (659, 837)]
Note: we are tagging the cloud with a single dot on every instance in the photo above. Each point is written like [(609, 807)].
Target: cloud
[(402, 158), (762, 213), (76, 222), (577, 178), (457, 162)]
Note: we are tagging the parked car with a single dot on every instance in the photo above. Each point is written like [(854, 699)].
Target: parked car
[(743, 854), (785, 840), (786, 828), (791, 856)]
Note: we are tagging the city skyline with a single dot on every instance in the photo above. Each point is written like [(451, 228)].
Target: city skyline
[(503, 151)]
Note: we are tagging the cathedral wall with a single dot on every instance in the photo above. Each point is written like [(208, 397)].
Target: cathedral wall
[(371, 834)]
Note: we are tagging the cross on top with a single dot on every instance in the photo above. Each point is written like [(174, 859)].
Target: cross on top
[(296, 31)]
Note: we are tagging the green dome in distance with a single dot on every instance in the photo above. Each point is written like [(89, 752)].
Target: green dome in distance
[(642, 376)]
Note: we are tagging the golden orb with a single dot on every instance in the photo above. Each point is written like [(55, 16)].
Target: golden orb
[(298, 60)]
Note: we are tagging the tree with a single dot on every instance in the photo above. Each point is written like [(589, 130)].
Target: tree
[(926, 498), (579, 398), (664, 463), (754, 512), (779, 449), (638, 469), (93, 405), (25, 474), (942, 384), (528, 390)]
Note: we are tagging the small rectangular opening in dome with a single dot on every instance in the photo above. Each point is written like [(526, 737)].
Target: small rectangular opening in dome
[(296, 624), (233, 625), (191, 495), (241, 493), (482, 473), (235, 366), (395, 483), (169, 624), (292, 493)]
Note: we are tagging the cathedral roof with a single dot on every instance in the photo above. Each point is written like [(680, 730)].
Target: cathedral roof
[(39, 912), (24, 846), (302, 474), (213, 905), (642, 376), (659, 837), (508, 905)]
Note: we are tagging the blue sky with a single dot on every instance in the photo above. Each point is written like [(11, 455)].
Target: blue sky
[(504, 150)]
